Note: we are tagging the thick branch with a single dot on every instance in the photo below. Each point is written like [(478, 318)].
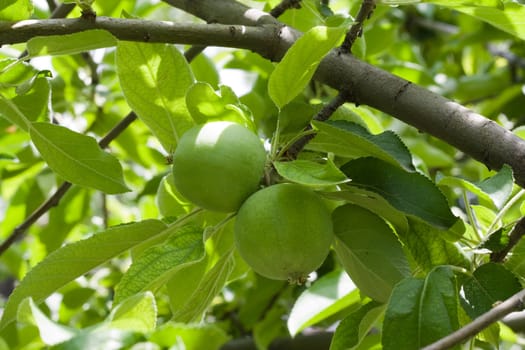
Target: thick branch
[(252, 38), (514, 303), (468, 131), (475, 135)]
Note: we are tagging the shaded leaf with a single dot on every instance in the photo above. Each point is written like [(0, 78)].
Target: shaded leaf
[(373, 202), (490, 283), (354, 327), (327, 296), (351, 140), (412, 193), (78, 158), (154, 79), (74, 260), (157, 264), (421, 311), (310, 173), (369, 251), (429, 249)]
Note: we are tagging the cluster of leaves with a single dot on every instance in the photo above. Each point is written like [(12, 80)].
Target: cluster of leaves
[(124, 260)]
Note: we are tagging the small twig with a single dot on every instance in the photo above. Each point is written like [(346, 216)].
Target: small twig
[(283, 6), (62, 10), (322, 115), (193, 52), (514, 237), (62, 189), (365, 11), (514, 303), (52, 5)]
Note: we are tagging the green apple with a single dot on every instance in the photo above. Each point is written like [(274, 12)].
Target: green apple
[(284, 232), (218, 165)]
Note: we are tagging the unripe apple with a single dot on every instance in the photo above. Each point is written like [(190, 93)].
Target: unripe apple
[(218, 165), (284, 232)]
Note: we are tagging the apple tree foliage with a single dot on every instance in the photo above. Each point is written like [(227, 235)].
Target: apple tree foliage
[(100, 250)]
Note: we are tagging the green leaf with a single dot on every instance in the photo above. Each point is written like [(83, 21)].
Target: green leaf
[(499, 186), (189, 336), (354, 328), (15, 10), (294, 71), (211, 284), (490, 283), (310, 173), (169, 201), (51, 333), (205, 105), (13, 113), (74, 260), (100, 338), (421, 311), (157, 264), (154, 79), (429, 249), (457, 183), (508, 19), (137, 313), (78, 158), (369, 251), (373, 202), (70, 44), (516, 260), (351, 140), (327, 296), (412, 193)]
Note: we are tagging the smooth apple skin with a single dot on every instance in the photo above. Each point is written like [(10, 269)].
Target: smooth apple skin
[(218, 165), (284, 232)]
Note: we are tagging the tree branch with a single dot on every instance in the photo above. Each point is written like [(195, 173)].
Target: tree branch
[(475, 135), (285, 5), (515, 236), (324, 114), (514, 303), (365, 11)]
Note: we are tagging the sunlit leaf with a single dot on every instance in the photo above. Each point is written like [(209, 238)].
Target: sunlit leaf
[(77, 158), (74, 260), (294, 71), (137, 313), (70, 43), (327, 296), (156, 265), (154, 79)]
